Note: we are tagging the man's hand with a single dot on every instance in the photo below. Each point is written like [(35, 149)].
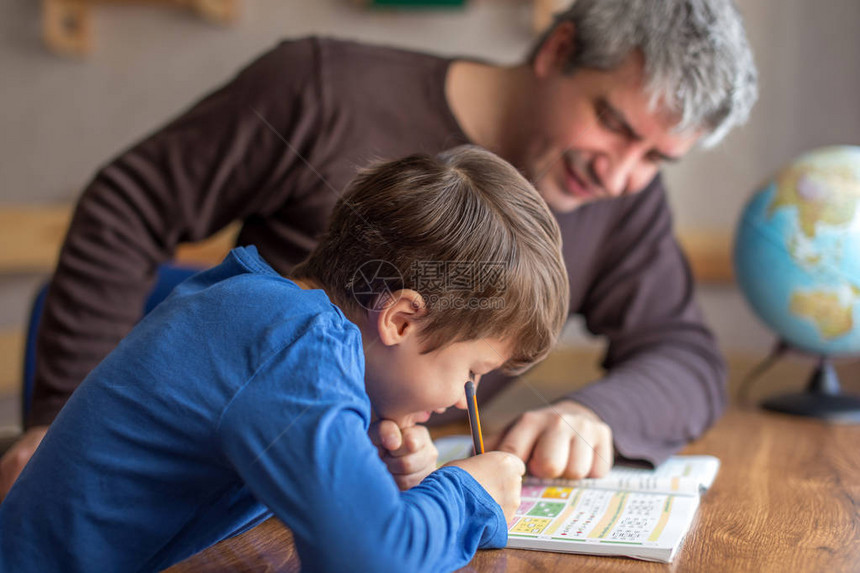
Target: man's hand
[(409, 452), (563, 440), (14, 460)]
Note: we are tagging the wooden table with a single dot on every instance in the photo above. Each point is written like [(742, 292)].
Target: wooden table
[(787, 498)]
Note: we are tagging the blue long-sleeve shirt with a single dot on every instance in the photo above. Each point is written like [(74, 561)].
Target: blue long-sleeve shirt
[(240, 396)]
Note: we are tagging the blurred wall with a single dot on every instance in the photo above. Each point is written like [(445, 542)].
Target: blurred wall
[(808, 55), (60, 119)]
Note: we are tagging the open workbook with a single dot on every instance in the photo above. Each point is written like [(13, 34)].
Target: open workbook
[(632, 512)]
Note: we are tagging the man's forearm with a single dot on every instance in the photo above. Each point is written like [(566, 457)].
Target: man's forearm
[(215, 163)]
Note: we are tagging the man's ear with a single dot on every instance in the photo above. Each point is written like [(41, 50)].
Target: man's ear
[(397, 320), (553, 55)]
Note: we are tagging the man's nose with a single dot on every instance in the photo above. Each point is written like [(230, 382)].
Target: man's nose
[(614, 172)]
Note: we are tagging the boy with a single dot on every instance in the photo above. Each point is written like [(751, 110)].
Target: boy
[(247, 393)]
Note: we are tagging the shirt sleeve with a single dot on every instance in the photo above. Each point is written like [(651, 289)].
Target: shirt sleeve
[(297, 436), (665, 379), (222, 160)]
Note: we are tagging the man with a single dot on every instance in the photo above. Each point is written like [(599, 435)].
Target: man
[(613, 90)]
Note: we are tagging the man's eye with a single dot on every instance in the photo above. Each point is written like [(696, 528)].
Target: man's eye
[(610, 123), (471, 376), (608, 120)]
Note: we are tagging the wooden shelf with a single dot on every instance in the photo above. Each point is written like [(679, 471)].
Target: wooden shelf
[(34, 235), (68, 29)]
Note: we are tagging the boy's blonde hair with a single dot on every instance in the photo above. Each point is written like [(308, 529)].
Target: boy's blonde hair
[(463, 229)]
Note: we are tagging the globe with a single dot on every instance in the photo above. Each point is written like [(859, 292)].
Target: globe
[(797, 252)]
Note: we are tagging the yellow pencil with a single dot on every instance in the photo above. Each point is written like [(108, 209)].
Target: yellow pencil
[(474, 418)]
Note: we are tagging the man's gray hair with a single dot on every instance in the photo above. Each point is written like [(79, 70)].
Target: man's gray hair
[(697, 59)]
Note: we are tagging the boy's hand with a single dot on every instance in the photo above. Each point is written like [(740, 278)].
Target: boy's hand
[(14, 460), (409, 452), (563, 440), (501, 475)]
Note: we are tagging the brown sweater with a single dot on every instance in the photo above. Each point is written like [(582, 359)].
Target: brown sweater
[(275, 146)]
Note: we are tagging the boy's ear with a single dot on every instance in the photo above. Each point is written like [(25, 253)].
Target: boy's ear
[(398, 318), (557, 48)]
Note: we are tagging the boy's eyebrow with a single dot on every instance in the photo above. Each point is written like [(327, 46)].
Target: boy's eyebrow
[(606, 108)]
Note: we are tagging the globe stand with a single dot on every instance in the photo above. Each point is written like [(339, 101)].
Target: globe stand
[(822, 398)]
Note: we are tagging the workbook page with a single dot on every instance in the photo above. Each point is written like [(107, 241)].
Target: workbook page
[(690, 475), (585, 520)]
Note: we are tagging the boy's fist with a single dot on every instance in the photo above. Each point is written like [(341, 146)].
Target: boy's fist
[(14, 460), (409, 452), (501, 474)]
